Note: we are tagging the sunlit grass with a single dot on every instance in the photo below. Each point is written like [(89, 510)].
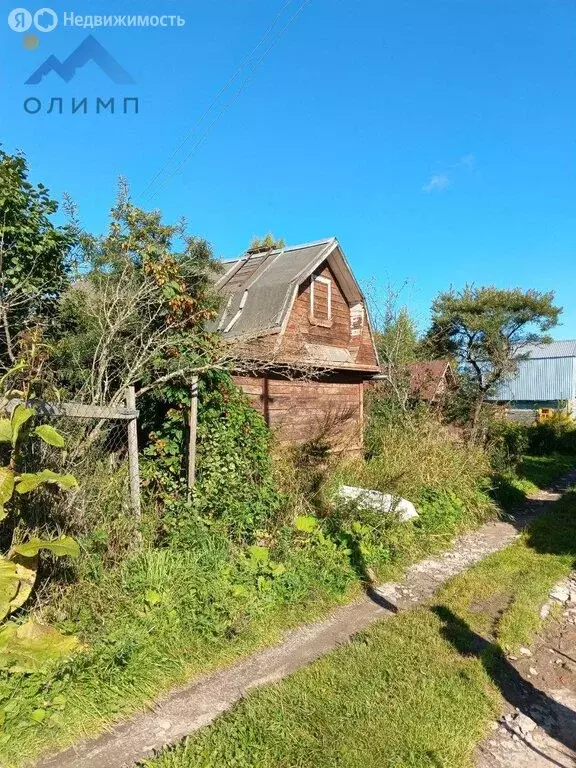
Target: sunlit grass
[(401, 695)]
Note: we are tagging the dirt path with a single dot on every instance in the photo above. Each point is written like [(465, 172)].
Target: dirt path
[(541, 732), (200, 702)]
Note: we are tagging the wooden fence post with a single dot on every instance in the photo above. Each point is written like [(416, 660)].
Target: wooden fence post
[(193, 429), (133, 453)]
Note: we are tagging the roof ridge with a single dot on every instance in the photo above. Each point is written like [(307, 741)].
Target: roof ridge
[(296, 247)]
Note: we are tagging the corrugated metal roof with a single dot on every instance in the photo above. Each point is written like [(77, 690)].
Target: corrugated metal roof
[(554, 349)]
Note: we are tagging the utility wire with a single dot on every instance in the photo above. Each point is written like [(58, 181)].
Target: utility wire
[(245, 61), (163, 183)]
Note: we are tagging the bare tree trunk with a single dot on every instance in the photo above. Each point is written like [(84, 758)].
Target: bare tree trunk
[(7, 335), (476, 418)]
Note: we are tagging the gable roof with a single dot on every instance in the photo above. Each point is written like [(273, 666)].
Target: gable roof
[(427, 377), (554, 349), (261, 287)]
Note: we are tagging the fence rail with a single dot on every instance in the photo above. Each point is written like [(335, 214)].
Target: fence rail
[(75, 410), (127, 413)]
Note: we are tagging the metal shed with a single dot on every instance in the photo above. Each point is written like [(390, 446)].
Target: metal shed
[(547, 378)]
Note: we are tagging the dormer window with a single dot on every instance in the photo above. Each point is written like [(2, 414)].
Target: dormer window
[(321, 300)]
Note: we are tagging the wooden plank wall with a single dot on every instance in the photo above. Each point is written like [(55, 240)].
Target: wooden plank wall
[(301, 327), (300, 410)]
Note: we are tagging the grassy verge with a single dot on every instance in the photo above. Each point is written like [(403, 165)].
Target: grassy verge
[(166, 615), (418, 690), (536, 472)]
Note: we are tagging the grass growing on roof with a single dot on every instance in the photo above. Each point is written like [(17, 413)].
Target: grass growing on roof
[(416, 690)]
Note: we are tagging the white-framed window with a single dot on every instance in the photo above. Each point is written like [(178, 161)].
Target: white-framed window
[(321, 299)]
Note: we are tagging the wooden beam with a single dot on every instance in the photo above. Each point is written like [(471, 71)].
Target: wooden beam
[(193, 429), (75, 410)]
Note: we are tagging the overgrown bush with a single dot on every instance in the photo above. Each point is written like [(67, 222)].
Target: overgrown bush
[(555, 434), (418, 454), (235, 479), (507, 442)]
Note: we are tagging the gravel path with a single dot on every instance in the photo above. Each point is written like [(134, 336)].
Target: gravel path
[(541, 732)]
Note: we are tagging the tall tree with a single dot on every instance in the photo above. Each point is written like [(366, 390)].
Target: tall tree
[(137, 315), (487, 329), (34, 254), (397, 340)]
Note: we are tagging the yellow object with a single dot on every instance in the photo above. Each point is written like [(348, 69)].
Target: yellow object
[(561, 418)]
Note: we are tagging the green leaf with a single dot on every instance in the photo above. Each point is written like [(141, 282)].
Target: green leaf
[(5, 431), (39, 715), (305, 523), (259, 554), (9, 583), (31, 647), (17, 577), (29, 482), (26, 571), (6, 484), (59, 701), (152, 597), (20, 416), (277, 569), (49, 435), (239, 590), (60, 547)]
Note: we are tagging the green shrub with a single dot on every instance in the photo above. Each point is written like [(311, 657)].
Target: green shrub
[(441, 511), (555, 434), (507, 443), (235, 479)]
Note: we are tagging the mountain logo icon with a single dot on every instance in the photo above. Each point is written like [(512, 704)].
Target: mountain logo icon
[(88, 50)]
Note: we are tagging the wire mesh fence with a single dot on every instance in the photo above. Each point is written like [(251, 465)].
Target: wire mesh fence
[(100, 450)]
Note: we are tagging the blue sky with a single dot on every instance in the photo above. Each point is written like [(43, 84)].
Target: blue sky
[(435, 138)]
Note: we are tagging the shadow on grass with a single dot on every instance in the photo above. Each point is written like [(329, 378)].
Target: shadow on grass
[(555, 533), (555, 719), (550, 528)]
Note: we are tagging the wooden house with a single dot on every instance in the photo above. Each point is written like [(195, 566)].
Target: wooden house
[(298, 315), (431, 380)]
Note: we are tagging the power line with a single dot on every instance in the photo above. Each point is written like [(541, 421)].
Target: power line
[(229, 103), (245, 61)]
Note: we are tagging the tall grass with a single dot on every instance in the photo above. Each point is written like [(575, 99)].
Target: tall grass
[(417, 454)]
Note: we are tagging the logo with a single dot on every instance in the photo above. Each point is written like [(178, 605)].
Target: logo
[(19, 20), (89, 50), (45, 20)]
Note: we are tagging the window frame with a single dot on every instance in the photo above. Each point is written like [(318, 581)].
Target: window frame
[(328, 283)]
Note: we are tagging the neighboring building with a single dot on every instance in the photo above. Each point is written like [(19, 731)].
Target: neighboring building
[(427, 381), (545, 379), (431, 380), (298, 313)]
